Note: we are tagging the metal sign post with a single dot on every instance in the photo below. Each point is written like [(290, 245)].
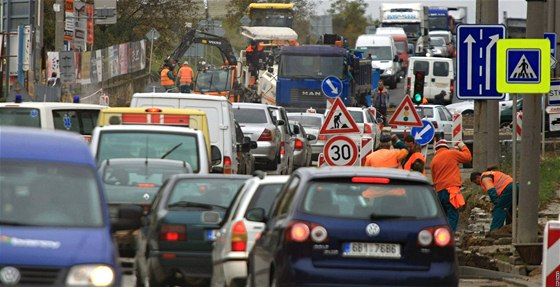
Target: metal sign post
[(152, 35), (514, 170)]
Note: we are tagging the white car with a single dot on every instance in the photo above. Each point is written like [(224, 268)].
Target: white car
[(467, 107), (440, 117), (366, 122), (238, 233)]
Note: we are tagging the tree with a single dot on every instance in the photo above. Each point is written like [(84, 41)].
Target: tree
[(349, 18)]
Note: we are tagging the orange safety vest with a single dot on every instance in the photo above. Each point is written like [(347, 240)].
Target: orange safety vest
[(185, 75), (415, 156), (385, 158), (165, 80), (501, 180)]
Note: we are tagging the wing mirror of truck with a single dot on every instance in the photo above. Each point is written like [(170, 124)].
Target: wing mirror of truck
[(129, 217)]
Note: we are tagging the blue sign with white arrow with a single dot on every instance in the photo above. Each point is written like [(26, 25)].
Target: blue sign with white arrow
[(424, 134), (476, 61), (331, 87), (551, 36)]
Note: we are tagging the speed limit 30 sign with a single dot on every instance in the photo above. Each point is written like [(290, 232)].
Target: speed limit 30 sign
[(340, 151)]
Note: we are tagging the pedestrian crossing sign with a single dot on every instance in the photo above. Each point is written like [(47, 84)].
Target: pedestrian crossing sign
[(523, 66)]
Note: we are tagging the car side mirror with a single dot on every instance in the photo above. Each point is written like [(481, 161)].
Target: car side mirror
[(129, 217), (246, 145), (311, 137), (280, 122), (396, 58), (296, 130), (270, 70), (256, 214), (216, 155), (217, 169), (254, 145)]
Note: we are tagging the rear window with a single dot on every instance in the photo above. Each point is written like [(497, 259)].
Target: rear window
[(423, 66), (358, 116), (212, 191), (369, 200), (250, 116), (21, 117), (441, 69), (264, 196), (425, 112), (307, 121)]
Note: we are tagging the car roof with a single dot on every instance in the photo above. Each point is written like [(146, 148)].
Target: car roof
[(148, 128), (209, 176), (351, 171), (35, 144), (430, 106), (251, 105), (180, 96), (274, 179), (52, 105), (306, 114)]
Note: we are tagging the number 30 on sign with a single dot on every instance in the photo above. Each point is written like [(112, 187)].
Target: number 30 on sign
[(340, 151)]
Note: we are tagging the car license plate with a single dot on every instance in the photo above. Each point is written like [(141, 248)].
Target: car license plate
[(211, 234), (375, 250)]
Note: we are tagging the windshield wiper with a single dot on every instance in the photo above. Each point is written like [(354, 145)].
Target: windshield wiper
[(171, 150), (185, 204), (388, 216), (15, 223)]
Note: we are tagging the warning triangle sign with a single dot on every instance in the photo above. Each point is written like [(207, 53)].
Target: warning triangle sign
[(406, 114), (523, 70), (339, 120)]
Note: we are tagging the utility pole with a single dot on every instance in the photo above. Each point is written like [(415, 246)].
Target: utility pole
[(530, 139), (59, 27), (486, 114)]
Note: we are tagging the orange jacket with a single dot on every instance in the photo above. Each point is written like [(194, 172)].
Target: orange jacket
[(500, 180), (165, 80), (386, 158), (185, 75), (445, 167), (415, 156)]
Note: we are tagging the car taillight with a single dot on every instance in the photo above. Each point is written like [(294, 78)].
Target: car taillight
[(300, 231), (172, 232), (266, 136), (322, 137), (451, 86), (227, 165), (367, 129), (435, 124), (282, 148), (407, 83), (145, 185), (364, 179), (439, 236), (239, 237), (298, 144)]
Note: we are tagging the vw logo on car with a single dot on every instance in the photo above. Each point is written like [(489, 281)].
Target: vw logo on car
[(9, 276), (372, 229)]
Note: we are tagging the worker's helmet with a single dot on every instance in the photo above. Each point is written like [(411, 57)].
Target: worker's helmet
[(185, 62)]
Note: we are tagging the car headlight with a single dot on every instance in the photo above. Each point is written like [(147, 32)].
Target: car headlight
[(389, 71), (90, 275), (436, 51)]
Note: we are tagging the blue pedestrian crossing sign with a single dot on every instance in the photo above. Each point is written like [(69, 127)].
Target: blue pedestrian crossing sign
[(332, 87), (476, 61), (424, 134), (523, 66)]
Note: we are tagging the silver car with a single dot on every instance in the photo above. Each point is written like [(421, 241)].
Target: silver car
[(238, 233), (256, 122), (280, 116), (440, 117), (301, 145), (312, 122), (366, 122)]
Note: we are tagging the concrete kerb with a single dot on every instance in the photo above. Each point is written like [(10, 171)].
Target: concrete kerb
[(469, 272)]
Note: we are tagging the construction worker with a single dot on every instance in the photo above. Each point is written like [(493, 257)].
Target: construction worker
[(380, 100), (499, 187), (167, 79), (185, 78), (384, 156), (447, 177), (415, 160)]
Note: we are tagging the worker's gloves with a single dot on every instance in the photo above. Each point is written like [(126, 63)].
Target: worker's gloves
[(460, 145)]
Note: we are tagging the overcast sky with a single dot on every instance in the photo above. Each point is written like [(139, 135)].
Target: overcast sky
[(514, 8)]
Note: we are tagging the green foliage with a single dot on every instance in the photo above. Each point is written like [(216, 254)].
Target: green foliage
[(349, 18), (549, 175)]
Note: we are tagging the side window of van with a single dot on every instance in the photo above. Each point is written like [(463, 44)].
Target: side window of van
[(80, 121), (423, 66), (441, 69)]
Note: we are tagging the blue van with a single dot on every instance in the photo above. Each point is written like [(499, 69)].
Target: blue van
[(54, 220)]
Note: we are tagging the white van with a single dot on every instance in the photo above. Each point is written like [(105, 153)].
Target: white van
[(439, 77), (220, 120), (384, 56), (390, 31), (74, 117)]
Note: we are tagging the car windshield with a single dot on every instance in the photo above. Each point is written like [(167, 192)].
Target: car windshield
[(205, 191), (213, 81), (22, 117), (49, 194), (381, 53), (369, 200), (401, 46), (249, 116), (439, 42), (162, 145), (307, 66), (307, 121)]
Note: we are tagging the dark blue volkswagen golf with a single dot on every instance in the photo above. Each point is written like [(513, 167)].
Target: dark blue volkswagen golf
[(351, 226)]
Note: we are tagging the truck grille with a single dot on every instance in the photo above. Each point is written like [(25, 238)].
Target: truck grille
[(306, 95), (43, 276)]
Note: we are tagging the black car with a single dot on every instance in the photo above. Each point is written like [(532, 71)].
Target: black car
[(175, 243), (354, 226)]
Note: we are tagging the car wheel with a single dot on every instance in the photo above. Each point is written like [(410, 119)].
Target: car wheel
[(393, 84), (468, 113), (505, 124)]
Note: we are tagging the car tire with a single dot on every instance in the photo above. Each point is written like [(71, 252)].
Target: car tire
[(393, 84)]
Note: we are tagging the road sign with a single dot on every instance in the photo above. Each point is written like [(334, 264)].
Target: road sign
[(554, 120), (523, 66), (153, 34), (553, 109), (554, 94), (424, 134), (476, 61), (340, 151), (366, 148), (551, 248), (457, 128), (551, 36), (339, 120), (405, 114), (331, 86)]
